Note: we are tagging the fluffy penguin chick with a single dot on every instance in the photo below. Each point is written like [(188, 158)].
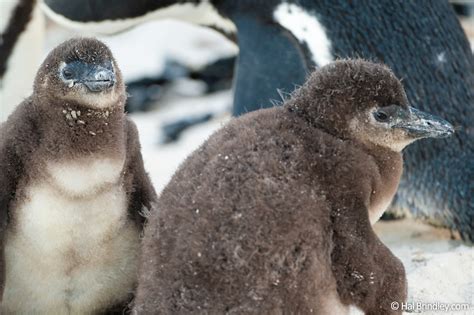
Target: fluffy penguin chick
[(272, 214), (73, 188)]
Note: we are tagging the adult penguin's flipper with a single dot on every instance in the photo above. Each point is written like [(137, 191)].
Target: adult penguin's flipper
[(100, 10), (108, 17), (101, 16), (270, 59)]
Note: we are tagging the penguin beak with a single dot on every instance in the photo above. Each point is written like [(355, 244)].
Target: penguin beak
[(420, 124), (98, 79)]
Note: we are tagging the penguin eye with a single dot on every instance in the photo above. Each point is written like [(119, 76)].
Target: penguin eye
[(67, 74), (381, 116)]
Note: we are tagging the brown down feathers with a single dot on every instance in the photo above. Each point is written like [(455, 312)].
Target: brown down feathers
[(270, 214)]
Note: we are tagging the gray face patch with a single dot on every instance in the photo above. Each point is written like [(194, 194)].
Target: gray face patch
[(388, 116)]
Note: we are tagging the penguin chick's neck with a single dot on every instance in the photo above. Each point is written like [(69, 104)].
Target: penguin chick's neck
[(385, 183), (73, 129), (389, 164)]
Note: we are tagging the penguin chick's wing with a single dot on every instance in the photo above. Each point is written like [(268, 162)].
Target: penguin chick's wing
[(17, 140), (7, 191), (367, 273), (142, 193)]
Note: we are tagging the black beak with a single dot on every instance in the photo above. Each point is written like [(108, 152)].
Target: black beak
[(99, 79), (96, 77), (423, 125)]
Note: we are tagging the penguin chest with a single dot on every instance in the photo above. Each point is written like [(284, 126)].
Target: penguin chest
[(71, 248), (84, 177)]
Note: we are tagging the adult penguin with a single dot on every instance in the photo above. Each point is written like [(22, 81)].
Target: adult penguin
[(281, 41)]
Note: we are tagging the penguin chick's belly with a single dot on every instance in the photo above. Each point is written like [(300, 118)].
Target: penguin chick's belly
[(67, 254)]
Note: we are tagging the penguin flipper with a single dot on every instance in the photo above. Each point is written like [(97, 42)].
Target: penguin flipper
[(143, 196), (18, 138), (101, 16), (7, 191), (367, 273), (270, 59)]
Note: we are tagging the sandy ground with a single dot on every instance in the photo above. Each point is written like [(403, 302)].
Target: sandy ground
[(439, 269)]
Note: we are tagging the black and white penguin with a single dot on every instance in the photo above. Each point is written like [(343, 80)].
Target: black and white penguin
[(21, 50), (281, 41), (74, 189), (273, 213), (112, 17)]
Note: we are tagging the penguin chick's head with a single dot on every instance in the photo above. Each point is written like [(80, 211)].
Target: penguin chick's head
[(83, 71), (364, 101)]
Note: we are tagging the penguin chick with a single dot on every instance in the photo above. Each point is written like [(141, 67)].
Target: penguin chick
[(73, 189), (272, 213)]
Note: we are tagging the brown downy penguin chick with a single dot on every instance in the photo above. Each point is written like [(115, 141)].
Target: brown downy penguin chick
[(73, 188), (272, 214)]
